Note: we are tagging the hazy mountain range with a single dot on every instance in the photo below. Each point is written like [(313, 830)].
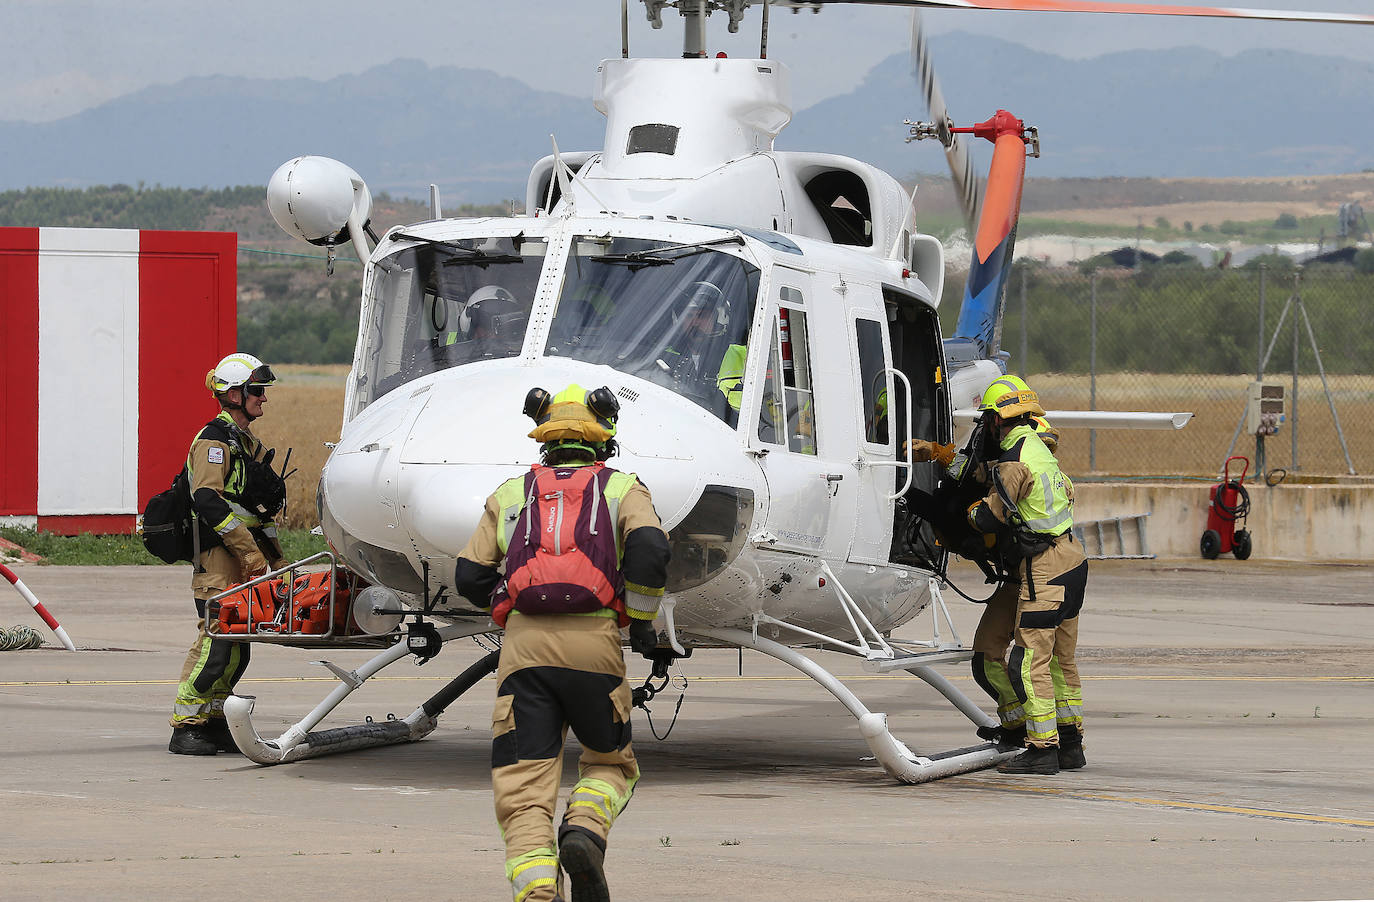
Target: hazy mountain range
[(1183, 112)]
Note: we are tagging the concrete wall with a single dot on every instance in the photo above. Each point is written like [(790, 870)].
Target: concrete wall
[(1287, 522)]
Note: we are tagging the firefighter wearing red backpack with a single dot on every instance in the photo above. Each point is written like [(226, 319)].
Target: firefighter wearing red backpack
[(585, 556)]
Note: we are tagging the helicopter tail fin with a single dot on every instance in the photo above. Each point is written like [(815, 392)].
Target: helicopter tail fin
[(979, 328)]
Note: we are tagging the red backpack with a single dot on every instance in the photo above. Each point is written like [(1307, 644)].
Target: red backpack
[(562, 556)]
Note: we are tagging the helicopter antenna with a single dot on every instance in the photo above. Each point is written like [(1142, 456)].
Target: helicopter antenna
[(562, 173), (624, 29)]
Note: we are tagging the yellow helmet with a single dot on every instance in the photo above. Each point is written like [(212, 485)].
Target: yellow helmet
[(573, 414), (1048, 434), (1010, 397)]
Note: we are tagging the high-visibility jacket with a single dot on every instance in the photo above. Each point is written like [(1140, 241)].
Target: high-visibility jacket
[(1032, 493)]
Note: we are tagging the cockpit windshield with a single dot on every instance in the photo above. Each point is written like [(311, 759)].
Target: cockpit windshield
[(674, 314), (439, 304)]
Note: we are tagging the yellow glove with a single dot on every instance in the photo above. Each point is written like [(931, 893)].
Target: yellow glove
[(922, 450)]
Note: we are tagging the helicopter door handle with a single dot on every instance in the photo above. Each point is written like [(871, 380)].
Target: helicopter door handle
[(832, 477)]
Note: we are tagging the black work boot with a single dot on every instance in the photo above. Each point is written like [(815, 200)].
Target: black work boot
[(217, 731), (191, 740), (1034, 760), (581, 853), (1071, 749)]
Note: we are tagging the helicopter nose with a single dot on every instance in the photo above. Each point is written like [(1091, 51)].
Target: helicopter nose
[(472, 435)]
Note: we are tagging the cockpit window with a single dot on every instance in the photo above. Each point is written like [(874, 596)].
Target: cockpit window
[(439, 304), (674, 314)]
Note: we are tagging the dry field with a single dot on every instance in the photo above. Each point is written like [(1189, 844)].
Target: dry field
[(305, 411), (1199, 213), (1216, 402)]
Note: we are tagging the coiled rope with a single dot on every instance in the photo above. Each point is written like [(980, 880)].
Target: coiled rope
[(17, 638)]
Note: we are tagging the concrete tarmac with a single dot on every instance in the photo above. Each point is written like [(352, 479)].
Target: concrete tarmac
[(1230, 713)]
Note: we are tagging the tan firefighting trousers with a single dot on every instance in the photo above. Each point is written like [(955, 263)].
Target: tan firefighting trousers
[(1043, 664), (558, 671), (992, 639), (213, 666)]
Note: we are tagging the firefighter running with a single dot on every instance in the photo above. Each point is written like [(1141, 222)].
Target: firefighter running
[(584, 555)]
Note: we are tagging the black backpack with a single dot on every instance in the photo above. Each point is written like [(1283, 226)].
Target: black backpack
[(167, 522)]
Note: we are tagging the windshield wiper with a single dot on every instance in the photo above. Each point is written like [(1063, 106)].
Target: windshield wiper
[(651, 256), (472, 256)]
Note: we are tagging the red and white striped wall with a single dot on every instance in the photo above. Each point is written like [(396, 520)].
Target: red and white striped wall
[(105, 339)]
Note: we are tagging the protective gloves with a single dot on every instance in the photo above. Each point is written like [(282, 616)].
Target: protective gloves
[(922, 450), (643, 637)]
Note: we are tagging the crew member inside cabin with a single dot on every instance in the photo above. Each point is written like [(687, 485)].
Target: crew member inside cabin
[(584, 556), (1030, 510), (703, 356), (235, 495)]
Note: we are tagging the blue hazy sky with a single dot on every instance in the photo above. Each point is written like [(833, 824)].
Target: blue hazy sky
[(59, 57)]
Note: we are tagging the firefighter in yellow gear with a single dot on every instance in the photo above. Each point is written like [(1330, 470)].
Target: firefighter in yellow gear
[(997, 625), (561, 661), (234, 502), (1030, 509)]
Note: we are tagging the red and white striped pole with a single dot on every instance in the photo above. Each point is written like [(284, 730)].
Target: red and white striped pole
[(37, 606)]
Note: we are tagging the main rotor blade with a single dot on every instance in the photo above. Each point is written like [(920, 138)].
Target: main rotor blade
[(967, 186), (1094, 6)]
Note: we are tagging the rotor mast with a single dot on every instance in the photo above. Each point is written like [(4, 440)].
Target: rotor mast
[(694, 13)]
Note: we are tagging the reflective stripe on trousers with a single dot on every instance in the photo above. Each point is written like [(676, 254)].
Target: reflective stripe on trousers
[(530, 872)]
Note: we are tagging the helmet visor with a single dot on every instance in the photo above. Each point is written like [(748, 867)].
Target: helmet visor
[(263, 375)]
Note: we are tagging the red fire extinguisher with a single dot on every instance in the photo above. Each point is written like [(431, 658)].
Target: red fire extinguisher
[(1229, 504)]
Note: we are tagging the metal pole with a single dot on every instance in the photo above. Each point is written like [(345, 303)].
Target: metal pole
[(1321, 370), (1259, 371), (1092, 377), (763, 38), (1023, 322), (1297, 296)]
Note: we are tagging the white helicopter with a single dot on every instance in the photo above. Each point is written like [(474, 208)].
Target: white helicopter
[(687, 239)]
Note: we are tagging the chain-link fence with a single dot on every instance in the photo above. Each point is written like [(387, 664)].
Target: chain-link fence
[(1169, 338)]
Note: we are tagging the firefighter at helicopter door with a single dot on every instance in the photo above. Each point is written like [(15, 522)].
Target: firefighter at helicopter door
[(997, 625), (1030, 509), (584, 556), (234, 496)]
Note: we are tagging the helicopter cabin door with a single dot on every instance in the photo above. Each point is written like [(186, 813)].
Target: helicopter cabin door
[(877, 396), (810, 506)]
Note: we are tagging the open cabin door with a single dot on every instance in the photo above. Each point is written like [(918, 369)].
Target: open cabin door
[(789, 418), (918, 354)]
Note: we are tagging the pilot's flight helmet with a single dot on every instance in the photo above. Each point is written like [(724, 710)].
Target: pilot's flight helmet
[(1010, 397), (1048, 434), (237, 371), (482, 308), (703, 297)]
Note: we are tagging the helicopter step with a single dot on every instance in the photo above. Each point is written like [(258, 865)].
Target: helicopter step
[(298, 743), (1114, 538)]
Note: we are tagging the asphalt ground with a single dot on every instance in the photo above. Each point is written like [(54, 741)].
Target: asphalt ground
[(1230, 717)]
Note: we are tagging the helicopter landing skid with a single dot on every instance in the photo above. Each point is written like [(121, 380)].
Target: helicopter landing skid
[(299, 743), (895, 757)]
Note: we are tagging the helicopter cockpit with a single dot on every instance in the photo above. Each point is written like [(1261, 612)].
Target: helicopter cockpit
[(678, 316), (438, 304)]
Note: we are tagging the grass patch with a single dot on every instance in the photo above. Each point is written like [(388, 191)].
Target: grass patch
[(116, 550)]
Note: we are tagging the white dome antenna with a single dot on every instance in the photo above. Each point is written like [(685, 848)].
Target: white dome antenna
[(322, 201)]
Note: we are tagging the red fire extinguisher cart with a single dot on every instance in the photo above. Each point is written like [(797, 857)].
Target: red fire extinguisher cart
[(1230, 503)]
